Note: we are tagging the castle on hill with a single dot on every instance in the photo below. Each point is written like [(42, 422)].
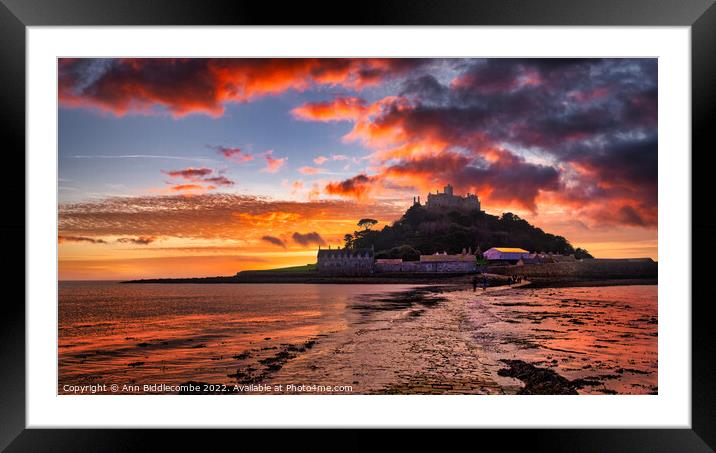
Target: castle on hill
[(447, 199)]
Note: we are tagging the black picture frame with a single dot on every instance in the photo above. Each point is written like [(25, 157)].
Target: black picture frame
[(16, 15)]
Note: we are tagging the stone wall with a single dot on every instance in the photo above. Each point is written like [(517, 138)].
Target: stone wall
[(585, 269), (427, 266), (346, 266)]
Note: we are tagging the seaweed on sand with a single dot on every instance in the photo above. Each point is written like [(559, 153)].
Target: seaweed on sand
[(542, 381)]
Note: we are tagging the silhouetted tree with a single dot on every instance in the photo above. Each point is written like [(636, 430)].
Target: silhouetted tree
[(431, 231), (581, 254), (366, 223), (406, 252)]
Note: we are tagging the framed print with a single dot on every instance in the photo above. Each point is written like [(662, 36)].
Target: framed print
[(238, 221)]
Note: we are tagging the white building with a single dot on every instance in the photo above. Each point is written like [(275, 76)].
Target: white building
[(505, 254)]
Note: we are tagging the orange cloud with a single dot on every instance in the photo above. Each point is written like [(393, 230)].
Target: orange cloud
[(189, 188), (273, 164), (310, 170), (204, 85), (356, 187), (211, 216), (338, 109), (474, 133), (232, 227), (267, 219)]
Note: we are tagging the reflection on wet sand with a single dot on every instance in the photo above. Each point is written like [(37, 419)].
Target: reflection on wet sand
[(373, 338), (550, 341)]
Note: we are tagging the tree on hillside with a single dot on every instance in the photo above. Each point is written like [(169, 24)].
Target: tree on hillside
[(450, 231), (581, 254), (406, 252), (366, 223)]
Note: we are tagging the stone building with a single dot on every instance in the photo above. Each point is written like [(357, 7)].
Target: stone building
[(448, 200), (345, 261), (438, 263)]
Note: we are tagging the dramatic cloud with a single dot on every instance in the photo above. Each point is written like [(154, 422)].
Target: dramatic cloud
[(569, 144), (507, 179), (205, 85), (274, 240), (575, 133), (142, 240), (306, 239), (356, 187)]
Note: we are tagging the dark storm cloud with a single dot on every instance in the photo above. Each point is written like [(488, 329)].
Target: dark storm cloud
[(274, 240), (508, 178), (306, 239), (597, 116), (204, 85)]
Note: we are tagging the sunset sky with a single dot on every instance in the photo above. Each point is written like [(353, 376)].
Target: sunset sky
[(201, 167)]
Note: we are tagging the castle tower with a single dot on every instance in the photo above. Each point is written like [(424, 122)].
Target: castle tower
[(448, 190)]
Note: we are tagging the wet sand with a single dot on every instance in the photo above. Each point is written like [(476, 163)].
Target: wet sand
[(505, 341), (438, 339)]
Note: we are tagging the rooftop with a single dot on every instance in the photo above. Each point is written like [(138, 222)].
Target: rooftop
[(346, 252)]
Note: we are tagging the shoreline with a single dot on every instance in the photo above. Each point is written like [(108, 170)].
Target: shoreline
[(417, 279), (282, 277), (536, 283)]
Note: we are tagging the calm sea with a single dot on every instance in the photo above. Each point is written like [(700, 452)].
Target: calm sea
[(159, 333)]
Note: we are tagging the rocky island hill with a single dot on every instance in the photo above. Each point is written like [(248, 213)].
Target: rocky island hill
[(425, 230)]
